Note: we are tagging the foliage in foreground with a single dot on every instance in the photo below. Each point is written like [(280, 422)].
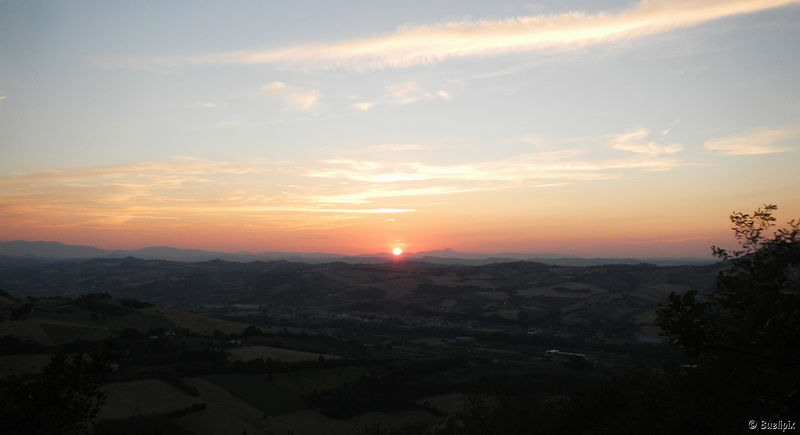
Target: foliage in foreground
[(64, 399), (742, 341), (745, 336)]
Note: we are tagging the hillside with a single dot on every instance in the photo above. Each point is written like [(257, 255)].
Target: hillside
[(279, 347), (43, 250), (183, 369), (522, 293)]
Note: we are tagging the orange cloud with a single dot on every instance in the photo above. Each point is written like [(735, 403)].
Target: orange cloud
[(353, 195), (763, 141), (295, 98), (180, 192), (404, 93), (634, 142), (273, 194), (434, 43)]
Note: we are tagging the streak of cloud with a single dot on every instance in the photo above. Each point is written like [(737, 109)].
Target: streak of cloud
[(416, 45), (561, 165), (195, 181), (295, 98), (363, 106), (634, 141), (286, 194), (404, 93), (393, 147), (177, 192), (206, 105), (184, 165), (763, 141)]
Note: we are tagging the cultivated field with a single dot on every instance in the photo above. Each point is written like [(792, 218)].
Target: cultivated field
[(195, 323), (26, 330), (143, 397), (259, 392), (20, 364), (226, 414), (274, 353), (303, 383)]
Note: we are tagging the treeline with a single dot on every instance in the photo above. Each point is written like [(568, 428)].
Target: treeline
[(154, 424), (394, 388), (11, 344), (742, 341), (682, 401)]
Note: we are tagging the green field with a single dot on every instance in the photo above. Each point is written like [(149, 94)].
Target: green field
[(265, 352), (65, 334), (259, 392), (143, 397), (304, 383), (21, 364), (134, 319)]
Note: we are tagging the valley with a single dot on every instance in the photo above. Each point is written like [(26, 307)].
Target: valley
[(288, 347)]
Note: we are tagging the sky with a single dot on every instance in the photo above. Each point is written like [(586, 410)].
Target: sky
[(603, 129)]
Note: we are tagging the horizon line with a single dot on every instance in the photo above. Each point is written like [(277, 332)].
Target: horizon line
[(535, 255)]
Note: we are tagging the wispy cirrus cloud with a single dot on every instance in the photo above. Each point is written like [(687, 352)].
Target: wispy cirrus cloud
[(763, 141), (570, 165), (187, 166), (289, 195), (182, 190), (404, 93), (296, 98), (410, 92), (364, 105), (416, 45), (635, 141), (397, 147)]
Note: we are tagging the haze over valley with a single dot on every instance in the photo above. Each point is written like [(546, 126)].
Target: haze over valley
[(393, 218)]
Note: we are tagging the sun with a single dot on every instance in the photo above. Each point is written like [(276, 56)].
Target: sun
[(397, 251)]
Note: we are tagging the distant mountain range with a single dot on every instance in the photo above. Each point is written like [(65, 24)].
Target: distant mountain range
[(59, 251)]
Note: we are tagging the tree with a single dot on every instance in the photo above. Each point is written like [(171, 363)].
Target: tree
[(373, 428), (744, 336), (64, 399), (743, 339)]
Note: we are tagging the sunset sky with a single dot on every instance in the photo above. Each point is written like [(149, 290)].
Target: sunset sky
[(614, 128)]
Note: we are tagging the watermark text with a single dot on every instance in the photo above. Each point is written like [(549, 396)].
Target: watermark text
[(780, 425)]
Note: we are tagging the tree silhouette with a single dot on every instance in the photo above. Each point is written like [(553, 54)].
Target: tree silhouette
[(742, 339), (64, 399), (745, 335)]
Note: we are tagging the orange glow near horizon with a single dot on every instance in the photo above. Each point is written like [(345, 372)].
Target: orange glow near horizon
[(603, 219), (480, 131), (607, 234)]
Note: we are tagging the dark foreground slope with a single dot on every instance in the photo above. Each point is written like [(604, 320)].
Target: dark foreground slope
[(182, 372), (525, 294), (282, 347)]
